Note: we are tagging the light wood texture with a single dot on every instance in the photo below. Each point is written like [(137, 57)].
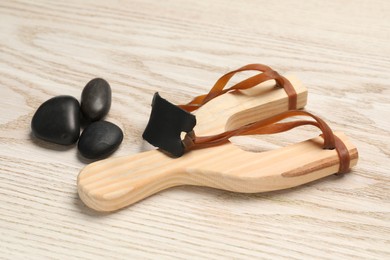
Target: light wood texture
[(340, 51), (112, 184)]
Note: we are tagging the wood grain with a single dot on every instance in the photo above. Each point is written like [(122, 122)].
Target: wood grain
[(338, 49)]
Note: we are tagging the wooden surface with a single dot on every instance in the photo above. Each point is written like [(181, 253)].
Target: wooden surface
[(338, 49)]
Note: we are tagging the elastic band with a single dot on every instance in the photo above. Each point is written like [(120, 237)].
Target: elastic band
[(271, 126), (167, 121), (266, 74)]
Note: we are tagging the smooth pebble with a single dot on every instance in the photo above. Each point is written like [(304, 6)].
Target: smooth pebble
[(96, 99), (57, 120), (99, 139)]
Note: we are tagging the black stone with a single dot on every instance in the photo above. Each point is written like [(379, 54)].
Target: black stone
[(99, 140), (57, 120), (96, 99)]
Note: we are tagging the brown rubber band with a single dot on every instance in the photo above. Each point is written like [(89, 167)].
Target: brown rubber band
[(344, 156), (266, 126), (266, 74), (271, 126)]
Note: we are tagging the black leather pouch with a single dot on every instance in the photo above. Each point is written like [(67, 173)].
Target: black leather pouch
[(166, 123)]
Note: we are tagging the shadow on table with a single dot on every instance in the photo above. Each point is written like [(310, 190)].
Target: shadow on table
[(79, 205), (50, 146)]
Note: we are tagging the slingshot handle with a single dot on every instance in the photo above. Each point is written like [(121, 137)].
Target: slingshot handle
[(114, 183)]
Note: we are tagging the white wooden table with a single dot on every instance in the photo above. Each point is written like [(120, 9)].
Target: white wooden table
[(339, 49)]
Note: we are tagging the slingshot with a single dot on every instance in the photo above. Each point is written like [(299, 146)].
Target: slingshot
[(207, 158)]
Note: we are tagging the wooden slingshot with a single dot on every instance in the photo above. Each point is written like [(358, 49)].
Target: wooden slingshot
[(114, 183)]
